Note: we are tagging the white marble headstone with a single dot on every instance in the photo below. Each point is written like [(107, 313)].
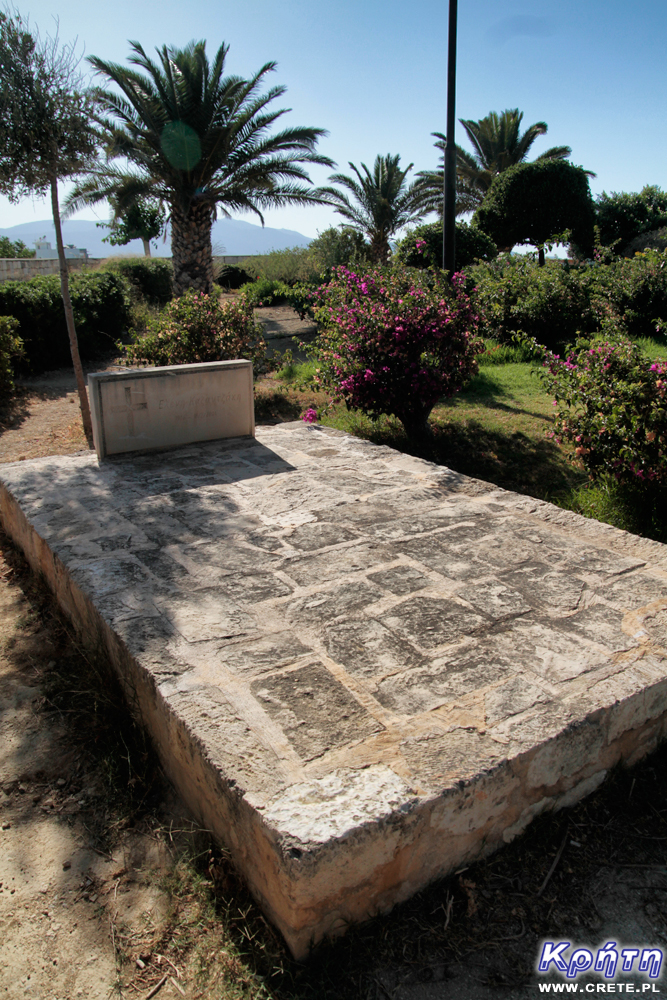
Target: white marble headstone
[(158, 408)]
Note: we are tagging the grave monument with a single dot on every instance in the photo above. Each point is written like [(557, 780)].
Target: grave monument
[(361, 670), (155, 408)]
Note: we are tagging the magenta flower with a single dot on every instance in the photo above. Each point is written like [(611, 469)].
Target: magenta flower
[(310, 416)]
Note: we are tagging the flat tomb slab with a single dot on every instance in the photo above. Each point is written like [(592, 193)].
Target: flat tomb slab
[(156, 408), (360, 670)]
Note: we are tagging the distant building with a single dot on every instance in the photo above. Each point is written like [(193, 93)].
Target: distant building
[(43, 251)]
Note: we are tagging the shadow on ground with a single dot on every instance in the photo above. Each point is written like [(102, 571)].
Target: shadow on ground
[(512, 460), (16, 409)]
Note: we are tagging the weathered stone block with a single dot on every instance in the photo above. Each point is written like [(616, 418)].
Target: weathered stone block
[(156, 408), (360, 670)]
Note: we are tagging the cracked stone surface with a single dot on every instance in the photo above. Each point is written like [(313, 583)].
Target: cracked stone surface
[(360, 669)]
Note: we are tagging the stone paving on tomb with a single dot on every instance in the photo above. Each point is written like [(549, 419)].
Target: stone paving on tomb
[(361, 670)]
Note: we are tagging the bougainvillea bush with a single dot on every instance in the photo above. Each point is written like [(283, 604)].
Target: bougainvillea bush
[(612, 406), (196, 328), (394, 342)]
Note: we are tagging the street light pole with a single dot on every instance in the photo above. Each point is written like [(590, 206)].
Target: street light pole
[(449, 208)]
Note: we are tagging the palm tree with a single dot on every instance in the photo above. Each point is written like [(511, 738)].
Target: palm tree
[(498, 144), (382, 202), (200, 143)]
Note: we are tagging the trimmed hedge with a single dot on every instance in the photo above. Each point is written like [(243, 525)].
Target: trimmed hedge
[(101, 304), (150, 277)]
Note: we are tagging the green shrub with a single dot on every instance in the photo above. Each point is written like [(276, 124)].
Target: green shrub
[(422, 247), (339, 246), (231, 276), (14, 250), (612, 405), (10, 346), (286, 266), (632, 293), (515, 296), (309, 265), (557, 303), (622, 217), (150, 277), (196, 328), (265, 292), (101, 304)]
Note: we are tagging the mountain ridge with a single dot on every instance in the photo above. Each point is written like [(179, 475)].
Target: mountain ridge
[(230, 237)]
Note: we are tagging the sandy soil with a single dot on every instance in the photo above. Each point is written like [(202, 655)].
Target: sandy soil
[(66, 905)]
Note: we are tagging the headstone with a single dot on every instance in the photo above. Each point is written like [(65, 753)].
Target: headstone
[(157, 408)]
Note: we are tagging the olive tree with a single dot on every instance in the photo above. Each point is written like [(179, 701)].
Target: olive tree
[(45, 136)]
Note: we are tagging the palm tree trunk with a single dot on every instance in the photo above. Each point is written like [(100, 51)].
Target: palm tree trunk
[(147, 247), (380, 250), (191, 251), (69, 316)]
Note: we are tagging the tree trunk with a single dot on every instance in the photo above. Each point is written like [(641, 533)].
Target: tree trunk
[(69, 317), (191, 251), (147, 247), (380, 250), (416, 425), (540, 256)]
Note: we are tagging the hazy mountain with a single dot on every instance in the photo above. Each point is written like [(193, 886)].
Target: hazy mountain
[(229, 236)]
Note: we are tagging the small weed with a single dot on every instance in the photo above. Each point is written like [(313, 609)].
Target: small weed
[(298, 374)]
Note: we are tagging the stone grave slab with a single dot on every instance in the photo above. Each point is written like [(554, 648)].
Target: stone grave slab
[(362, 671), (152, 409)]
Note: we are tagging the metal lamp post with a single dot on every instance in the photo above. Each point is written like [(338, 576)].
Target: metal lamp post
[(449, 208)]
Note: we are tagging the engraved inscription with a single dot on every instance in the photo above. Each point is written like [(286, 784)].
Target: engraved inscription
[(183, 404), (130, 407)]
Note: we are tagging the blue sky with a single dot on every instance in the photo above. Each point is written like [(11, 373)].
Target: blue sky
[(373, 72)]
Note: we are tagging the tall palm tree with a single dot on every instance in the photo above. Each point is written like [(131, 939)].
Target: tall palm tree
[(498, 144), (199, 142), (382, 202)]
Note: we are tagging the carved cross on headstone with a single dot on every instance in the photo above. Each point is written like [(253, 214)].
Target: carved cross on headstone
[(130, 408)]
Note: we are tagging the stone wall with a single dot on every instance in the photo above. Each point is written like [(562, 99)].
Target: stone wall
[(23, 268)]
